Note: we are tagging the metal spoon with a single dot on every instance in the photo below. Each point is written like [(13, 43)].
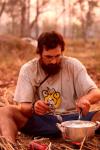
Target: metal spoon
[(59, 117), (80, 114)]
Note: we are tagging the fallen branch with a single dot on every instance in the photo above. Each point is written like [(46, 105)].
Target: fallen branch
[(82, 143), (65, 146)]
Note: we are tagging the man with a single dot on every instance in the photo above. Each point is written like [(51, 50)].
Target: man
[(49, 84)]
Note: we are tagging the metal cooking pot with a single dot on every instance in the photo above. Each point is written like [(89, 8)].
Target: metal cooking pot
[(76, 130)]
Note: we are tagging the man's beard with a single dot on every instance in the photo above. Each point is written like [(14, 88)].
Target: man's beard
[(51, 69)]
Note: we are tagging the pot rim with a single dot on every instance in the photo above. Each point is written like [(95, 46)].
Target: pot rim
[(71, 124)]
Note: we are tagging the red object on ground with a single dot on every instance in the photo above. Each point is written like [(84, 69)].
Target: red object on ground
[(72, 142), (37, 146)]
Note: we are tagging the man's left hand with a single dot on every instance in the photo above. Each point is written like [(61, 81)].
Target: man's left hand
[(83, 104)]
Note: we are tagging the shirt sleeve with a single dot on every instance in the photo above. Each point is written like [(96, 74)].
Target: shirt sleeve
[(82, 81), (24, 89)]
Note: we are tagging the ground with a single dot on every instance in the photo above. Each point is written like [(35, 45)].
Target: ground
[(13, 56)]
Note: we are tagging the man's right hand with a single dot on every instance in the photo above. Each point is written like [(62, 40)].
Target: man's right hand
[(41, 108)]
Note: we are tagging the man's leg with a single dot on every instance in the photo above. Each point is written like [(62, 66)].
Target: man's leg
[(11, 119), (8, 129), (44, 126)]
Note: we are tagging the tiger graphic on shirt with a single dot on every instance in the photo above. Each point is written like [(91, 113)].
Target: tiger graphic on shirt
[(52, 96)]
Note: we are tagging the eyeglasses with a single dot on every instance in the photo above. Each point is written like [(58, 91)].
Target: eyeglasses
[(49, 57)]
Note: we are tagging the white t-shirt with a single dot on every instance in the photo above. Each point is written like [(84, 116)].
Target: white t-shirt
[(61, 89)]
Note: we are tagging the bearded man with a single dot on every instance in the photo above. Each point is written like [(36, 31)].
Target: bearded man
[(49, 84)]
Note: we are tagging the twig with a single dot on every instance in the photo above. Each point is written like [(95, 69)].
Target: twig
[(5, 144), (41, 139), (65, 146), (82, 143), (87, 147), (49, 147), (93, 144)]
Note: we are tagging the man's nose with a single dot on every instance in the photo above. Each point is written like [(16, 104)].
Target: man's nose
[(53, 61)]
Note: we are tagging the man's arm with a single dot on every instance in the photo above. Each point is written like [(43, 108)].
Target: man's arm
[(87, 100), (25, 108), (40, 108)]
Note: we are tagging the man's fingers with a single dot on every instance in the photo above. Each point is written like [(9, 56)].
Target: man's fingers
[(84, 105), (39, 112), (40, 107)]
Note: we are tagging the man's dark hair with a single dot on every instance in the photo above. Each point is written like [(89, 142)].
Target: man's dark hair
[(50, 40)]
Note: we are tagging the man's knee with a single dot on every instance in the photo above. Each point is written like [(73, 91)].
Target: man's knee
[(13, 113), (96, 116)]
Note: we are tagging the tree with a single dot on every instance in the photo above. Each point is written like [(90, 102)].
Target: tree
[(86, 17), (19, 13), (39, 10), (25, 17), (2, 7)]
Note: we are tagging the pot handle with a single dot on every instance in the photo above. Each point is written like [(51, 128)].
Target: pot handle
[(97, 125)]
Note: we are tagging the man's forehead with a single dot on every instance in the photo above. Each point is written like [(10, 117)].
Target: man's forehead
[(56, 50)]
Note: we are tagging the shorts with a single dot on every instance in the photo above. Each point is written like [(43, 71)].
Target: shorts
[(45, 125)]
